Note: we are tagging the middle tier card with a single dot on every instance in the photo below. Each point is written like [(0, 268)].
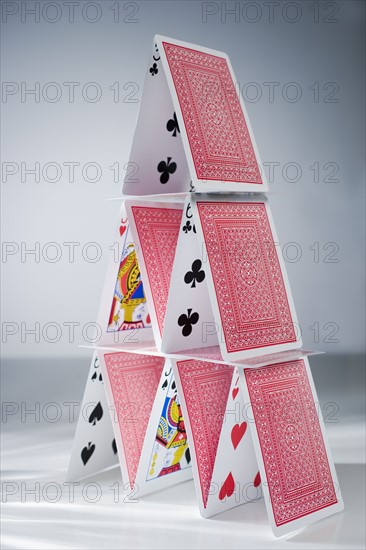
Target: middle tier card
[(214, 275)]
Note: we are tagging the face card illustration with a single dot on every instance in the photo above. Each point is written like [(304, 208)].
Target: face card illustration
[(123, 315), (217, 137), (149, 427), (166, 455), (94, 449), (299, 480), (249, 290), (155, 227)]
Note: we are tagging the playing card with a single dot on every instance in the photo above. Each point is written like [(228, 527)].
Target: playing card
[(157, 162), (140, 391), (234, 478), (216, 133), (94, 447), (189, 317), (298, 476), (223, 459), (165, 458), (155, 228), (246, 277), (123, 315), (193, 131)]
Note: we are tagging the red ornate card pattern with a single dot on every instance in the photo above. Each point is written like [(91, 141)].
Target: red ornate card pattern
[(218, 135), (158, 230), (206, 389), (291, 441), (134, 381), (249, 285)]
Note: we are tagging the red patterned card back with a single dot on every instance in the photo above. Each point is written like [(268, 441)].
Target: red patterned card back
[(247, 276), (292, 446), (206, 389), (218, 135), (134, 381), (158, 230)]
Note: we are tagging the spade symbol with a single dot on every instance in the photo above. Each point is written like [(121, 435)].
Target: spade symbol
[(87, 452), (164, 385), (188, 455), (114, 446), (96, 415), (94, 377), (173, 385)]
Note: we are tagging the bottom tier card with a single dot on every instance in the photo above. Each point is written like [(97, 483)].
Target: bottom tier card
[(148, 425), (94, 449), (224, 465), (299, 480)]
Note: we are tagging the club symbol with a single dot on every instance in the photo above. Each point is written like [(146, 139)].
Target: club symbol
[(166, 169), (188, 227), (186, 321), (173, 126), (196, 275), (154, 69)]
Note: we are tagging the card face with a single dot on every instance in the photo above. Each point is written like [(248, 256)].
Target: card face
[(170, 453), (156, 233), (249, 288), (129, 309), (219, 143), (94, 449), (235, 479), (157, 163), (298, 474), (133, 382), (189, 319), (204, 388), (123, 314)]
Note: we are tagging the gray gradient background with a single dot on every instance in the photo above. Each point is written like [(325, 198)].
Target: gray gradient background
[(305, 212)]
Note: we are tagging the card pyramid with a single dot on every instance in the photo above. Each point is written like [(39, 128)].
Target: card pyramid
[(200, 371)]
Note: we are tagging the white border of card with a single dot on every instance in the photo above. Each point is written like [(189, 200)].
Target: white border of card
[(152, 144)]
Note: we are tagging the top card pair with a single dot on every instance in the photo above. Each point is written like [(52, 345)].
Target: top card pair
[(193, 131)]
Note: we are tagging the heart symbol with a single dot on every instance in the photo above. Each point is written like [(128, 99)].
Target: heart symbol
[(148, 320), (122, 229), (257, 480), (228, 487), (237, 433), (235, 392)]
